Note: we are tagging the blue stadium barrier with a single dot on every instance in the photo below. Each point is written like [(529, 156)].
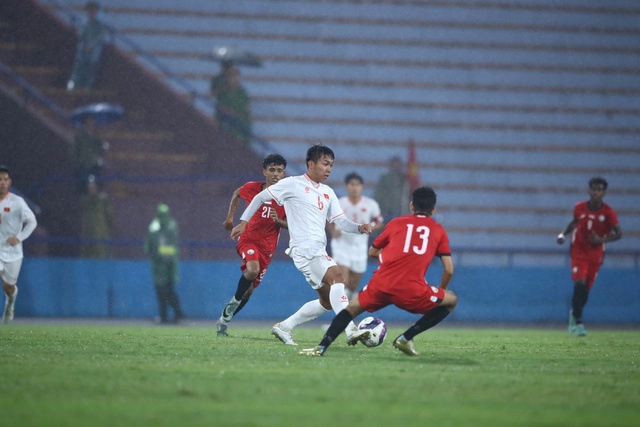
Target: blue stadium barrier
[(123, 289)]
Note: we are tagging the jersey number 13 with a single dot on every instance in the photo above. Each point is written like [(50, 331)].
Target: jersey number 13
[(422, 233)]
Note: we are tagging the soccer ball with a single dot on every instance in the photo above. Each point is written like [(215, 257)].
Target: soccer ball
[(377, 328)]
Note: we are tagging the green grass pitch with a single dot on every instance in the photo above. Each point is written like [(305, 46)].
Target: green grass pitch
[(126, 375)]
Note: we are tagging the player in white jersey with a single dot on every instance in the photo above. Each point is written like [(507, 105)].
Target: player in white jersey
[(309, 204), (17, 222), (350, 251)]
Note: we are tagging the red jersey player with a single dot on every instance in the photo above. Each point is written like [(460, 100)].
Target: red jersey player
[(405, 249), (594, 224), (258, 243)]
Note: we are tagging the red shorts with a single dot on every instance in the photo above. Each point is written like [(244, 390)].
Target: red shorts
[(251, 252), (415, 297), (585, 269)]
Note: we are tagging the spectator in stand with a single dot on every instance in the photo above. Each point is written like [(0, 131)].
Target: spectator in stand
[(162, 245), (233, 106), (97, 221), (392, 191), (87, 153), (89, 50)]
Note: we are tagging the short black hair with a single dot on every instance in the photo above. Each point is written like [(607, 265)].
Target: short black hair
[(424, 199), (318, 151), (5, 169), (353, 175), (276, 159), (597, 181)]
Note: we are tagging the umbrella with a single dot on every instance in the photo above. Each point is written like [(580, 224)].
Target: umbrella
[(234, 56), (102, 113)]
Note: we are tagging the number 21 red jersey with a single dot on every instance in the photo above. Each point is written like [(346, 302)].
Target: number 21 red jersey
[(261, 229)]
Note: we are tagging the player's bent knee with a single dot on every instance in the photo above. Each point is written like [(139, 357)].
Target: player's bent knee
[(450, 299), (251, 273)]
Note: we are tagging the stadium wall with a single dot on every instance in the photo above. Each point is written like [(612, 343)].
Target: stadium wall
[(123, 289)]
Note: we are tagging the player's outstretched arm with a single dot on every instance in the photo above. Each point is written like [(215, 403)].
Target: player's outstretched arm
[(238, 230), (364, 228), (447, 272), (568, 229), (233, 205), (280, 222), (349, 226), (374, 252)]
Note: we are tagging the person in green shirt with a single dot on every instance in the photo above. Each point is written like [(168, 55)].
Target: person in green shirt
[(162, 246), (233, 105)]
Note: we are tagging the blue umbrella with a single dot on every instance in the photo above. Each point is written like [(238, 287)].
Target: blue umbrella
[(102, 113), (234, 56)]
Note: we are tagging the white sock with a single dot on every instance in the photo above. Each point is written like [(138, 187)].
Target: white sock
[(308, 312), (338, 298), (339, 302), (12, 298), (234, 302)]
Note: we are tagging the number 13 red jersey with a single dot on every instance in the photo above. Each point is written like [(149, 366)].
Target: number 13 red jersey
[(408, 245)]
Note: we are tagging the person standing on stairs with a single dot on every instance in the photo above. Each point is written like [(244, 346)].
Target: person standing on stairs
[(233, 105), (86, 63)]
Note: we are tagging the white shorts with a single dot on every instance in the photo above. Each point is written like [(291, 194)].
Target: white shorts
[(313, 265), (356, 261), (10, 271)]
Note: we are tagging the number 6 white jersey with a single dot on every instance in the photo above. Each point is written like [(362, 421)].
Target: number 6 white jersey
[(309, 205)]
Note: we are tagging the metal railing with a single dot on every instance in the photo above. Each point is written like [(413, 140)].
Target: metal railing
[(29, 92)]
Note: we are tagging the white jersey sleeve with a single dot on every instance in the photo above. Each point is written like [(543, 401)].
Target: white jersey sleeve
[(256, 202)]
